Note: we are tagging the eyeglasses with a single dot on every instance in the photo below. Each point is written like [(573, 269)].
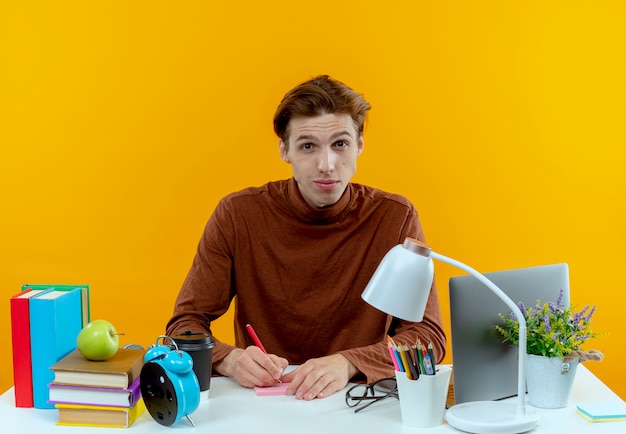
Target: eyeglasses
[(371, 393)]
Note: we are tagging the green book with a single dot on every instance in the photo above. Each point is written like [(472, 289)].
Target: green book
[(85, 301)]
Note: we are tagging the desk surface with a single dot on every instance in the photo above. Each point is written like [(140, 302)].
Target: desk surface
[(233, 409)]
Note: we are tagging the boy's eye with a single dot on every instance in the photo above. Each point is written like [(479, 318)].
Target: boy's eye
[(307, 146), (341, 143)]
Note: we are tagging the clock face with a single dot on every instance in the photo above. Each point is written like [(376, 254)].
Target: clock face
[(159, 394)]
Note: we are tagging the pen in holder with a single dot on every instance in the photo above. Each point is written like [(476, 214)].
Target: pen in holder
[(423, 401)]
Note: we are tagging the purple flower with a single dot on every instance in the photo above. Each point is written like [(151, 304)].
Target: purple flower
[(546, 323), (554, 308), (582, 312), (551, 327), (559, 299)]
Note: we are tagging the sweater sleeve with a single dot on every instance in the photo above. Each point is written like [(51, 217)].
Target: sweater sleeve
[(373, 361), (207, 291)]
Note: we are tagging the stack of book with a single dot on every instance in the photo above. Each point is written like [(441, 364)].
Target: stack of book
[(103, 394)]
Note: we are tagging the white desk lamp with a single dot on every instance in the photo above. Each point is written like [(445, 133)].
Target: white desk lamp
[(400, 287)]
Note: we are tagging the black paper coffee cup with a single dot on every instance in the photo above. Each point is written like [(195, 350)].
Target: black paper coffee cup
[(200, 347)]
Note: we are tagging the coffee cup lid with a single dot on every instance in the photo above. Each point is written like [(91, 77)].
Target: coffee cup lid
[(194, 338)]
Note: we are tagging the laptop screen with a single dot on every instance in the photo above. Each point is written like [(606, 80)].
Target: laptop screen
[(484, 368)]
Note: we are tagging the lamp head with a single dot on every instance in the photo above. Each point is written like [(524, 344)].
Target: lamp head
[(401, 284)]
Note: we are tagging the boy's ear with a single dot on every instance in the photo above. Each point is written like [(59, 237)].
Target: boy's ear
[(283, 151)]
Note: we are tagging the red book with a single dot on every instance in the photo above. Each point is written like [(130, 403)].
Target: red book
[(20, 339)]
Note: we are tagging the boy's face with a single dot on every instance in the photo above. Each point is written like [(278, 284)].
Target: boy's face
[(322, 152)]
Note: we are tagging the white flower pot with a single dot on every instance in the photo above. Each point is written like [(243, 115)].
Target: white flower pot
[(549, 381)]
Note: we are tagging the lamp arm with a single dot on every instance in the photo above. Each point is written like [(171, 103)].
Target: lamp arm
[(521, 368)]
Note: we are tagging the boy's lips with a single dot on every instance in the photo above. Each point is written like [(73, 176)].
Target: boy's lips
[(326, 184)]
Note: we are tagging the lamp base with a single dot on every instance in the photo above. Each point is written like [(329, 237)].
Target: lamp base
[(491, 417)]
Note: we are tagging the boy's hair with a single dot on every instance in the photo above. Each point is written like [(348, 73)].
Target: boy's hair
[(317, 96)]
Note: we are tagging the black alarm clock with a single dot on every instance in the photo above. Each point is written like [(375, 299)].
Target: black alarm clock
[(169, 387)]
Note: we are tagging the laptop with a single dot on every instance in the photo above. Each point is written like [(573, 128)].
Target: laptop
[(485, 369)]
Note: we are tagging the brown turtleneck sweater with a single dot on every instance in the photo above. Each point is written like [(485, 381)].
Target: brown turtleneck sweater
[(297, 273)]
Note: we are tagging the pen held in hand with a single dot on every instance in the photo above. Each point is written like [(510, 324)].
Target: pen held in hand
[(257, 342), (255, 338)]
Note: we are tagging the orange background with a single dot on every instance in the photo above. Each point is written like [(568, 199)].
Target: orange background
[(123, 123)]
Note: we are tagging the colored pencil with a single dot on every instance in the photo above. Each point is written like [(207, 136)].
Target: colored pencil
[(412, 367), (405, 362), (393, 357), (431, 353)]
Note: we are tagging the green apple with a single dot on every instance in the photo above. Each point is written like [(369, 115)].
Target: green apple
[(98, 340)]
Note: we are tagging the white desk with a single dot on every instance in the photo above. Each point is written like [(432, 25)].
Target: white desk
[(233, 409)]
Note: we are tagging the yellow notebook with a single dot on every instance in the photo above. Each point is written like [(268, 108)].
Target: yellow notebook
[(101, 416)]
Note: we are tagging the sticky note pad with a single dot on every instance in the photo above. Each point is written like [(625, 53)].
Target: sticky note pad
[(602, 411), (273, 390)]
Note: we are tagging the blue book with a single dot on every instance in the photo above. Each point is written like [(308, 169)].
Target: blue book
[(55, 321), (85, 290)]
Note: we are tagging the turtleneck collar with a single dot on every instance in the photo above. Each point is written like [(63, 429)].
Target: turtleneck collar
[(307, 213)]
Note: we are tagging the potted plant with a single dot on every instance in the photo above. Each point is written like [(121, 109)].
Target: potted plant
[(554, 336)]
